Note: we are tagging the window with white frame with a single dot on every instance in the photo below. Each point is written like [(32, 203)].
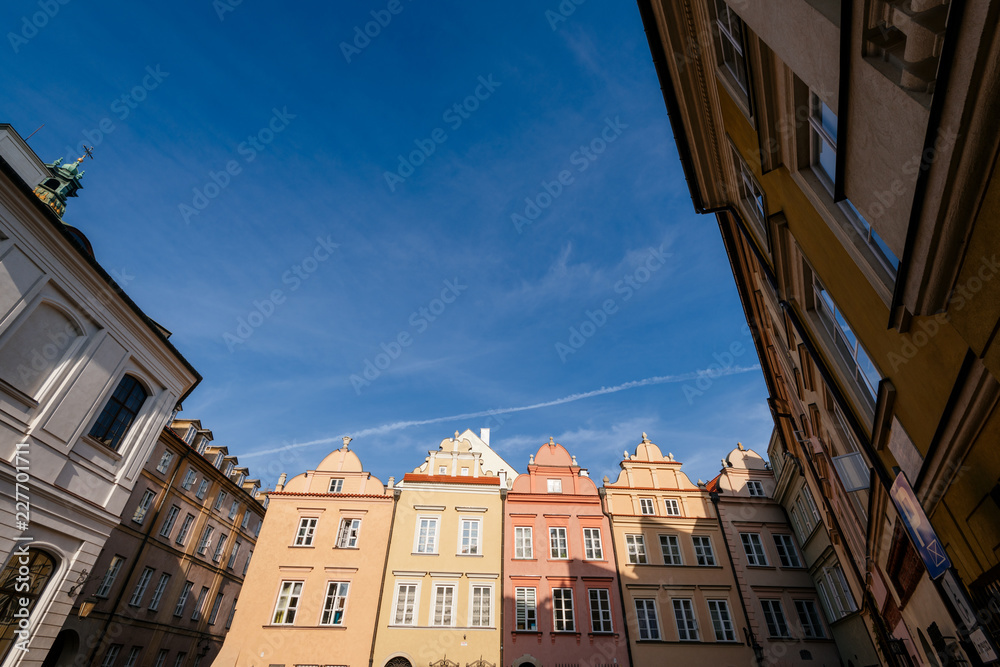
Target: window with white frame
[(234, 509), (884, 256), (722, 620), (774, 616), (347, 535), (846, 341), (562, 610), (481, 609), (336, 485), (219, 457), (703, 550), (111, 655), (206, 537), (812, 627), (185, 529), (835, 593), (426, 538), (646, 506), (199, 605), (464, 472), (468, 542), (140, 511), (523, 547), (165, 460), (161, 587), (213, 616), (189, 477), (334, 603), (306, 531), (787, 554), (823, 139), (687, 624), (161, 657), (140, 587), (853, 471), (753, 548), (405, 605), (636, 549), (246, 564), (554, 485), (232, 556), (442, 470), (246, 519), (202, 489), (671, 548), (288, 603), (558, 546), (751, 194), (444, 604), (219, 546), (109, 577), (168, 521), (592, 547), (600, 610), (221, 498), (232, 612), (755, 488), (525, 610), (133, 656), (182, 598), (672, 507), (793, 514), (729, 48), (649, 625)]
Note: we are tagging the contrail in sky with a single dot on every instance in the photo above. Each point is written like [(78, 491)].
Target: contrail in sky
[(399, 426)]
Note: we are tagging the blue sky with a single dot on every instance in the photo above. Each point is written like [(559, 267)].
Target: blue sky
[(296, 212)]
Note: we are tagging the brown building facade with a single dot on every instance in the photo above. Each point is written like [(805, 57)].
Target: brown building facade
[(165, 586)]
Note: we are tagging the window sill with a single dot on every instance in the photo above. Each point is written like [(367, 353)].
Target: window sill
[(470, 555), (301, 546), (426, 553), (528, 632), (351, 548), (762, 567)]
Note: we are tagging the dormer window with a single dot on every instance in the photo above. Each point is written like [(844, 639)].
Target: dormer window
[(239, 480), (218, 459), (555, 485), (442, 470), (465, 472), (336, 485), (189, 436), (202, 444), (229, 468)]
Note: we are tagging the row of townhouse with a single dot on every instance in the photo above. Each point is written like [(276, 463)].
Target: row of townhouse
[(124, 534), (466, 563), (848, 153)]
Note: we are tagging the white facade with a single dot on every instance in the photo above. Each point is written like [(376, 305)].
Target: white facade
[(68, 338)]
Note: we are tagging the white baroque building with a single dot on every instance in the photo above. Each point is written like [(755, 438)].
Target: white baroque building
[(87, 383)]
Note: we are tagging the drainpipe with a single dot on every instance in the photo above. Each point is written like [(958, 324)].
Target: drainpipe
[(751, 638), (503, 559), (385, 565), (138, 554), (614, 551)]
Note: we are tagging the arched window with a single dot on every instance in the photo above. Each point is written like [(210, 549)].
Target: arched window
[(119, 413), (40, 566), (398, 661)]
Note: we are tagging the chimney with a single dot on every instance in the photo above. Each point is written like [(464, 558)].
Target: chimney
[(281, 482), (484, 435)]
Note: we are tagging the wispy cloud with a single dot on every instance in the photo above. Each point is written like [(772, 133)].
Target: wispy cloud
[(400, 425)]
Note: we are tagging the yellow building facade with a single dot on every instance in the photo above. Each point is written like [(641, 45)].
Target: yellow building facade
[(847, 151), (441, 599), (682, 602), (311, 591)]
